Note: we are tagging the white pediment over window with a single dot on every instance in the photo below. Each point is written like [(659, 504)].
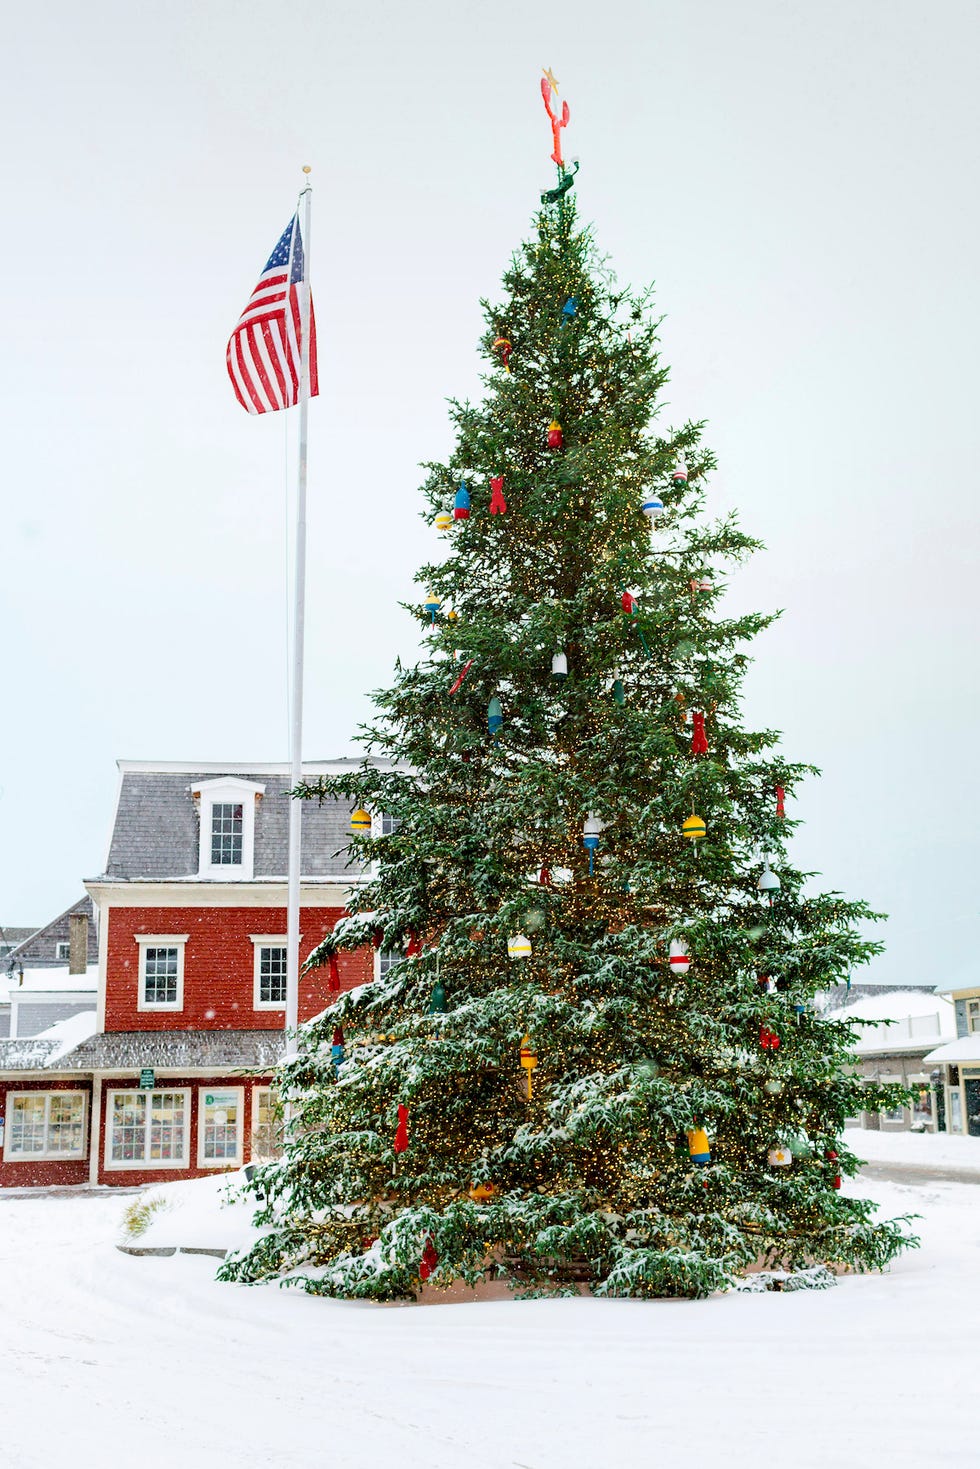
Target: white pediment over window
[(226, 807)]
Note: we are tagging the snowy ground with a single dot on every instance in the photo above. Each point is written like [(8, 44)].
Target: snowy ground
[(943, 1151), (105, 1358)]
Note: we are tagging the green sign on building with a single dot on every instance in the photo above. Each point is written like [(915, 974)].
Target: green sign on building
[(147, 1079)]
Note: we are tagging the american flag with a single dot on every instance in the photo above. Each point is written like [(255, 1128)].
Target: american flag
[(264, 349)]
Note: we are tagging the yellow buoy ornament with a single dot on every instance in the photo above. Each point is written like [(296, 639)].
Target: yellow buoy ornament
[(697, 1146), (694, 828), (360, 821), (519, 947), (529, 1061)]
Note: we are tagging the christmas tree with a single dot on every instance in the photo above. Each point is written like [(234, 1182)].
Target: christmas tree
[(596, 1056)]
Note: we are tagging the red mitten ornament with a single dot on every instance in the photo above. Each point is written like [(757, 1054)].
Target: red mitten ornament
[(699, 741), (429, 1260), (498, 505), (333, 983), (768, 1039), (401, 1131)]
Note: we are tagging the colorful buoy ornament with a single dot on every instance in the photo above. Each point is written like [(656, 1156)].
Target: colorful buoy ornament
[(694, 828), (495, 716), (679, 472), (519, 947), (653, 508), (444, 521), (360, 822), (529, 1061), (591, 831), (698, 1147), (679, 959), (461, 508), (432, 605), (559, 666), (780, 1157), (337, 1050), (768, 881), (555, 436), (504, 347)]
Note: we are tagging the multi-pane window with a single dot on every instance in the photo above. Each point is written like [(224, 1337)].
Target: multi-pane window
[(266, 1125), (46, 1125), (227, 825), (921, 1101), (62, 949), (389, 824), (272, 974), (219, 1126), (973, 1016), (386, 958), (148, 1128), (161, 975)]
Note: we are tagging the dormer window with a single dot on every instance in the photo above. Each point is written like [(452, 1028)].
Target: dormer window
[(227, 811), (227, 822)]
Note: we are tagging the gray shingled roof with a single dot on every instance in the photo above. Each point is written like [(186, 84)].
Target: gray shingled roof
[(26, 1054), (156, 831), (169, 1050)]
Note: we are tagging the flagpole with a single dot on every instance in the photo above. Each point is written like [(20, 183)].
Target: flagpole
[(299, 616)]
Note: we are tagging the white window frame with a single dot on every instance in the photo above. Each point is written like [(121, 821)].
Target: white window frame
[(227, 790), (49, 1154), (160, 941), (915, 1082), (265, 941), (886, 1121), (378, 953), (219, 1163), (972, 1016), (62, 949), (253, 1126), (119, 1165)]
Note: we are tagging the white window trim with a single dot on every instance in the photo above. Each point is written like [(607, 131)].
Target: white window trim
[(227, 790), (265, 941), (972, 1011), (219, 1163), (119, 1165), (892, 1079), (9, 1156), (253, 1121), (160, 941), (62, 945)]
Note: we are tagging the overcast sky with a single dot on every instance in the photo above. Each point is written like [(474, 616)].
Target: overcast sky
[(798, 179)]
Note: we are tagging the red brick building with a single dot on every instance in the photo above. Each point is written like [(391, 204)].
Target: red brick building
[(171, 1078)]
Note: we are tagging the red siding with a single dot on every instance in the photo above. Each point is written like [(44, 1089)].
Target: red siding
[(219, 959), (31, 1173), (129, 1177)]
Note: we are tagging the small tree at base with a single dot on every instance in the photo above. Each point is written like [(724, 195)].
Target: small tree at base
[(599, 1047)]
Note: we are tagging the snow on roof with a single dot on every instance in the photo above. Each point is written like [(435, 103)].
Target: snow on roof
[(896, 1005), (966, 1049), (69, 1033), (915, 1021), (53, 980)]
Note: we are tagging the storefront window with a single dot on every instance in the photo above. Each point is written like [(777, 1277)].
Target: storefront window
[(147, 1129), (219, 1126), (955, 1110), (922, 1109), (46, 1125), (266, 1125)]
